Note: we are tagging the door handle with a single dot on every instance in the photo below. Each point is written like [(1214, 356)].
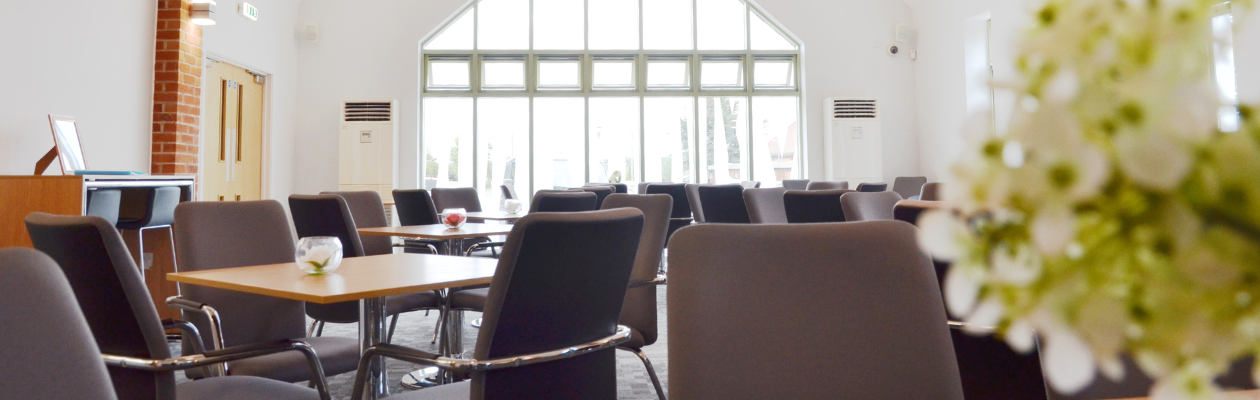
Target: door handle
[(238, 197), (220, 198)]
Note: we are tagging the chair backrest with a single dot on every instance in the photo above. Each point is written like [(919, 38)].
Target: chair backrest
[(368, 211), (601, 192), (508, 191), (861, 301), (796, 184), (931, 192), (991, 370), (765, 206), (677, 191), (639, 311), (869, 206), (213, 235), (643, 186), (563, 201), (465, 198), (750, 184), (810, 206), (415, 207), (111, 294), (872, 187), (620, 188), (50, 341), (693, 199), (724, 204), (909, 186), (570, 270), (827, 185), (326, 215), (909, 211), (104, 203)]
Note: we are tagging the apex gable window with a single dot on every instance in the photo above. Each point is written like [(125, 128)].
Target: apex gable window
[(576, 91)]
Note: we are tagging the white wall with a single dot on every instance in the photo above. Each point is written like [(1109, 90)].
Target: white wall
[(266, 45), (369, 50), (92, 60)]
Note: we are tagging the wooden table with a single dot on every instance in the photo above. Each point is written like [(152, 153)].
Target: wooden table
[(453, 237), (495, 216), (365, 279)]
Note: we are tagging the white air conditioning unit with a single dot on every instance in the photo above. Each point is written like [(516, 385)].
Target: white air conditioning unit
[(852, 140), (369, 147)]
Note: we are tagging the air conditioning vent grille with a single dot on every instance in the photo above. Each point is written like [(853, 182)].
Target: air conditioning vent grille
[(854, 109), (368, 112)]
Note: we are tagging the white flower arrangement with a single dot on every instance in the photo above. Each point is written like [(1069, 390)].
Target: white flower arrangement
[(1114, 217)]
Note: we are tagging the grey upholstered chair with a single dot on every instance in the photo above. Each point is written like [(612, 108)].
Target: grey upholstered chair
[(861, 301), (827, 185), (864, 206), (365, 211), (811, 206), (931, 192), (872, 187), (909, 186), (639, 311), (42, 315), (158, 213), (213, 235), (909, 211), (467, 199), (617, 187), (796, 184), (130, 335), (104, 203), (693, 199), (765, 206), (750, 184), (508, 191), (724, 204), (563, 201), (681, 216), (991, 370), (551, 317), (602, 191), (415, 207)]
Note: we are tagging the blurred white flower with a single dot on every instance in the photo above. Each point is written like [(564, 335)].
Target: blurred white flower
[(1068, 360), (962, 287), (1019, 267), (939, 233), (1193, 382), (1021, 336), (1053, 229), (1153, 161)]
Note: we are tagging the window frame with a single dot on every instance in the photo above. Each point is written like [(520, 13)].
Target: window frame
[(641, 58)]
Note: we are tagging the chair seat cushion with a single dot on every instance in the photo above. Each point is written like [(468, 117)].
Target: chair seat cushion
[(411, 302), (338, 355), (455, 391), (243, 388), (470, 299), (637, 341)]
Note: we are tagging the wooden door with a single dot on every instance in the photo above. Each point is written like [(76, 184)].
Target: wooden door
[(231, 155)]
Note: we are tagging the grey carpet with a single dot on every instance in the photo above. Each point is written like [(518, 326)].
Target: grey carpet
[(415, 330)]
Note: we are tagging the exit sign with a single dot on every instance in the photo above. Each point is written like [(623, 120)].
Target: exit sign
[(249, 11)]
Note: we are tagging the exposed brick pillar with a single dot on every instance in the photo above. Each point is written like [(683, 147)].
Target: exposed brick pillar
[(176, 91)]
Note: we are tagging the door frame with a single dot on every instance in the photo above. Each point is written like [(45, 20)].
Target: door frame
[(207, 60)]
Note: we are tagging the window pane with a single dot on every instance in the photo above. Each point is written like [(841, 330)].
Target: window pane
[(614, 24), (668, 74), (502, 145), (457, 36), (667, 141), (504, 74), (614, 130), (558, 25), (559, 146), (766, 38), (774, 74), (724, 145), (559, 75), (669, 23), (614, 75), (722, 75), (501, 24), (448, 125), (720, 24), (775, 129), (448, 75)]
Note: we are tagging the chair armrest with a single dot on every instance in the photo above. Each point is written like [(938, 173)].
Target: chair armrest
[(189, 331), (480, 246), (216, 325), (471, 365), (687, 219), (432, 249), (660, 280), (223, 356)]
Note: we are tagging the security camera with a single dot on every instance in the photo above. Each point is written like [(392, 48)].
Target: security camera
[(893, 50)]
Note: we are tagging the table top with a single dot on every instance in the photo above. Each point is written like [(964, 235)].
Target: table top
[(358, 277), (495, 216), (439, 231)]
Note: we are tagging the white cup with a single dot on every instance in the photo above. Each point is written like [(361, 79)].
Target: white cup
[(512, 206)]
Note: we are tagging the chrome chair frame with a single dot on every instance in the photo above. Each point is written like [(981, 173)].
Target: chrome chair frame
[(463, 366), (660, 280), (221, 357)]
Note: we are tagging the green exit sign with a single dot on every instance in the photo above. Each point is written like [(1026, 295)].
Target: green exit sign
[(249, 11)]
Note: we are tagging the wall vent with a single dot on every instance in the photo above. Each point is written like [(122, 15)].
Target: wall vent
[(368, 111), (854, 108)]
